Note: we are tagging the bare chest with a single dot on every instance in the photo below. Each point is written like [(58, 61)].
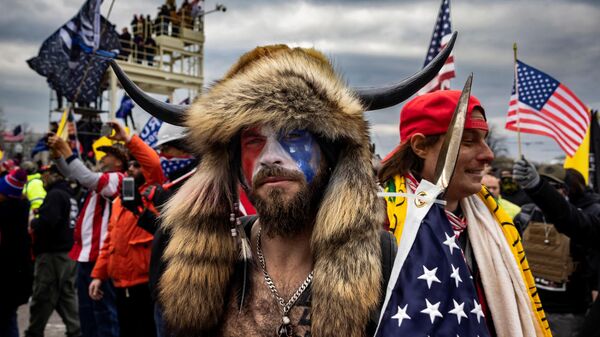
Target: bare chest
[(262, 316)]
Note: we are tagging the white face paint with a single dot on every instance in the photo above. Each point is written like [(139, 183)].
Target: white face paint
[(295, 151)]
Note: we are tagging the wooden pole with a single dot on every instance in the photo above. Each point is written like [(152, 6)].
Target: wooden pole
[(520, 150)]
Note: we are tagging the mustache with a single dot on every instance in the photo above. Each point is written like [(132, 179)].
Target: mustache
[(275, 171)]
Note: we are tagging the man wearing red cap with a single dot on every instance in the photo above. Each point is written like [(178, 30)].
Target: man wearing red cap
[(486, 236)]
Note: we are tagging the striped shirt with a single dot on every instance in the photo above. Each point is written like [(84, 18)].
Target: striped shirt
[(92, 223)]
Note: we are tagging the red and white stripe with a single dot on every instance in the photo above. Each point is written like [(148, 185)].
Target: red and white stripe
[(442, 80), (92, 223), (563, 118)]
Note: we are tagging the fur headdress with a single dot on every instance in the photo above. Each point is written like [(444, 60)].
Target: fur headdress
[(287, 89)]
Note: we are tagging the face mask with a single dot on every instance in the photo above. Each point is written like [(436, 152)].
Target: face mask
[(172, 164)]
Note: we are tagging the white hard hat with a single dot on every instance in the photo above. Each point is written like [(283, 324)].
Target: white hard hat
[(168, 133), (18, 148)]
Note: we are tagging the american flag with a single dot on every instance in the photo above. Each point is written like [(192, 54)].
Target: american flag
[(431, 291), (543, 106), (15, 136), (442, 32), (172, 164)]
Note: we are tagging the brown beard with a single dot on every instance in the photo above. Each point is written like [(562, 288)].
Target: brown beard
[(281, 217)]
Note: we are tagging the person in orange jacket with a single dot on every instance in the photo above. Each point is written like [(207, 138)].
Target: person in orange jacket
[(125, 256)]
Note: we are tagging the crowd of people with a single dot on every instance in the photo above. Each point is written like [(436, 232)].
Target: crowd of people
[(259, 214), (169, 21)]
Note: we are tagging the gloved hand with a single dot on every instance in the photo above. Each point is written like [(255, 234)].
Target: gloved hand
[(154, 197), (135, 206), (525, 174)]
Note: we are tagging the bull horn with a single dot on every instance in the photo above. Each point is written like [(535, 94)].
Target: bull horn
[(375, 98), (170, 113)]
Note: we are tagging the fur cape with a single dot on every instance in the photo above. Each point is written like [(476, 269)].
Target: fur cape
[(287, 89)]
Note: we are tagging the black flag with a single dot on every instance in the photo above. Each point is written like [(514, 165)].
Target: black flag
[(66, 59)]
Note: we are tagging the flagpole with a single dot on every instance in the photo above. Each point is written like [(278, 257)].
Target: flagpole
[(520, 151)]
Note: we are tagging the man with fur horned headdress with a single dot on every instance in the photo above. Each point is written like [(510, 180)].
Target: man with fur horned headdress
[(282, 125)]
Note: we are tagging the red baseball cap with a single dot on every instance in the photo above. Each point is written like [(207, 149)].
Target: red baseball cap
[(430, 114)]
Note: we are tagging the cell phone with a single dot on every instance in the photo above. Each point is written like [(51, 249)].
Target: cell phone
[(128, 189), (106, 130)]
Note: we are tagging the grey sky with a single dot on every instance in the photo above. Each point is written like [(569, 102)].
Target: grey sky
[(370, 42)]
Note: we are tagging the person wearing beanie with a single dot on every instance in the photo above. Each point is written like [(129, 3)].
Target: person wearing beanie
[(11, 184), (503, 285), (16, 266)]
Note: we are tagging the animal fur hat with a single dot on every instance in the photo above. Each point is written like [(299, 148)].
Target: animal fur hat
[(287, 89)]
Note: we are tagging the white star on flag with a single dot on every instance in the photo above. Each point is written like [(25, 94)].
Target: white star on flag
[(401, 315), (458, 311), (429, 276), (455, 275), (477, 311), (451, 242), (432, 310)]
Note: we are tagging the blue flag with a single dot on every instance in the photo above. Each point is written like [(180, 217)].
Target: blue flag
[(126, 107), (67, 58), (150, 131), (431, 292)]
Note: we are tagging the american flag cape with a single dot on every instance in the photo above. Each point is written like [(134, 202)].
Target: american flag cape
[(431, 292), (442, 32), (543, 106)]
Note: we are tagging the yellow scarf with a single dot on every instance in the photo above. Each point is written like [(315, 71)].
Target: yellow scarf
[(396, 211)]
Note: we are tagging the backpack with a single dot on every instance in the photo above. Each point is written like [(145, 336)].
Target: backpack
[(548, 252)]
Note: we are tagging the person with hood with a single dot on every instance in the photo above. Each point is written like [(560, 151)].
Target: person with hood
[(284, 126), (54, 282), (15, 256), (483, 232), (124, 257), (34, 189)]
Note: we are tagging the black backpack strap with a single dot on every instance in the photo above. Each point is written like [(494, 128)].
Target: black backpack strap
[(389, 248)]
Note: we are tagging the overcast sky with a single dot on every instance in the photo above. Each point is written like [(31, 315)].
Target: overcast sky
[(370, 43)]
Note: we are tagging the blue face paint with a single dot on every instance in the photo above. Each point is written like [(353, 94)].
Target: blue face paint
[(303, 148)]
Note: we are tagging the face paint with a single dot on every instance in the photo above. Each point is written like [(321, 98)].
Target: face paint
[(301, 146), (296, 150)]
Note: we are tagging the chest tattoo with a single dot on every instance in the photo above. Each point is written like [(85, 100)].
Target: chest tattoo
[(261, 316)]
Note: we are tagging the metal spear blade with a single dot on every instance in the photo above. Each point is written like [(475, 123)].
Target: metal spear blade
[(444, 169)]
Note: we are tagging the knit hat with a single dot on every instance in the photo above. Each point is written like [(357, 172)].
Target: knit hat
[(11, 184)]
